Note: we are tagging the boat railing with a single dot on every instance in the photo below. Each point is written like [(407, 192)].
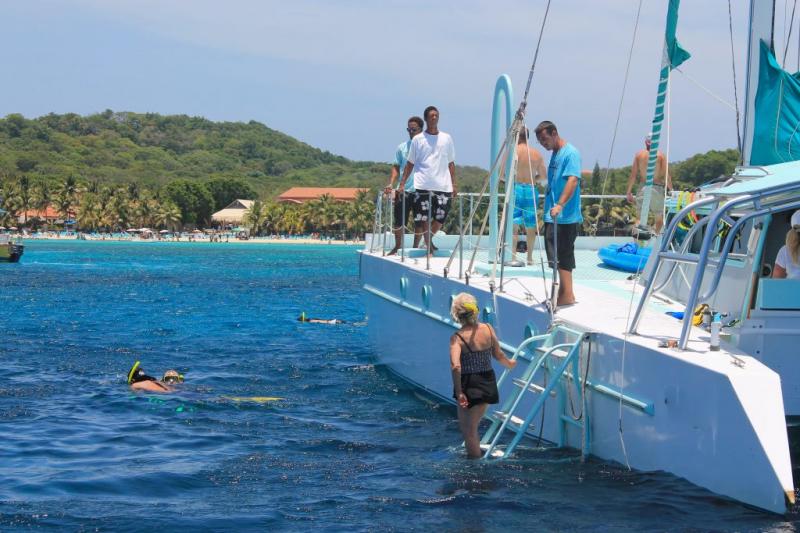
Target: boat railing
[(384, 225), (721, 207)]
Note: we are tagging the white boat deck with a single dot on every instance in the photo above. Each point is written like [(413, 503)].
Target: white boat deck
[(607, 299)]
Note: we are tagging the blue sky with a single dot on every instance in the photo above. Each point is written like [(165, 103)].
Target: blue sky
[(345, 75)]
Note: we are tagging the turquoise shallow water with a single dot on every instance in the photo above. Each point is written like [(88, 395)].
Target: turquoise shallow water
[(350, 446)]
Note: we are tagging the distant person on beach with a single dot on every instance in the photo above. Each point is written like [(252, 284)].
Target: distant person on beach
[(787, 262), (304, 318), (403, 198), (530, 169), (431, 158), (562, 205), (474, 382), (660, 182), (139, 380)]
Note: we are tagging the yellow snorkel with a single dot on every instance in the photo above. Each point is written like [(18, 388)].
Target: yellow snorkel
[(133, 371)]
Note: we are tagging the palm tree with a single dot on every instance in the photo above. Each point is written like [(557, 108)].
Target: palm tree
[(360, 213), (67, 197), (275, 213), (168, 216), (24, 191), (10, 201), (89, 212), (42, 195), (119, 211), (256, 216)]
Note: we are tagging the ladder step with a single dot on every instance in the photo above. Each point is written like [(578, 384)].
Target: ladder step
[(515, 420), (497, 451), (533, 387), (569, 420), (525, 356), (561, 353)]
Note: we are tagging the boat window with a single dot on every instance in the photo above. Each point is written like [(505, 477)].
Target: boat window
[(775, 239)]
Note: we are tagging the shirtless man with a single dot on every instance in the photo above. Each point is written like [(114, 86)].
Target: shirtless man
[(661, 178), (528, 158)]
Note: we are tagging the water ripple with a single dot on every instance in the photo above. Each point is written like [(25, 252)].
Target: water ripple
[(347, 447)]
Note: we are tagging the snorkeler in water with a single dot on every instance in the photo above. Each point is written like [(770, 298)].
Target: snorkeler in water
[(304, 318), (139, 380)]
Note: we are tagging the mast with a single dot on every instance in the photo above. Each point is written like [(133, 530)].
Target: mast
[(762, 20), (672, 57)]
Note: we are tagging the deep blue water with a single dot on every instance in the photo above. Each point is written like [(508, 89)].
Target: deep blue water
[(349, 447)]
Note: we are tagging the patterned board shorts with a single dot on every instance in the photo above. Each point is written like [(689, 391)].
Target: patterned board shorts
[(524, 205), (439, 205)]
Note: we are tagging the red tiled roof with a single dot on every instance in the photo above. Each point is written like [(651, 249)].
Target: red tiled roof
[(49, 212), (304, 194)]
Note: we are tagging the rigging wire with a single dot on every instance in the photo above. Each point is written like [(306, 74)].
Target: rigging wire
[(735, 89), (519, 120), (535, 57), (621, 99), (708, 91), (788, 37)]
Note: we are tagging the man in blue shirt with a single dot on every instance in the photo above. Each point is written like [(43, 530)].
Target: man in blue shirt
[(405, 197), (562, 205)]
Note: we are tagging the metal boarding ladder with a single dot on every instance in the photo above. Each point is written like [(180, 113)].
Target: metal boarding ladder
[(553, 358), (702, 259)]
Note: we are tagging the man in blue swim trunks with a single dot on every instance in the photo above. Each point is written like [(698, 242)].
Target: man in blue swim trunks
[(530, 169), (562, 205)]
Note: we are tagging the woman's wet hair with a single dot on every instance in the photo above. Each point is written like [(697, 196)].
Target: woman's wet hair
[(464, 309)]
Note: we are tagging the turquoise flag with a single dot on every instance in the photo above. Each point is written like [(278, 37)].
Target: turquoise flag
[(674, 55)]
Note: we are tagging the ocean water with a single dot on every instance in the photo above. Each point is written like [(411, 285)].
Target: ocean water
[(348, 447)]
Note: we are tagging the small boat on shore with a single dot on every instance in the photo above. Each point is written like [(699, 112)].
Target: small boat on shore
[(10, 249)]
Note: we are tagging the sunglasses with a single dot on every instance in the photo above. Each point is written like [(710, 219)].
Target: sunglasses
[(412, 130)]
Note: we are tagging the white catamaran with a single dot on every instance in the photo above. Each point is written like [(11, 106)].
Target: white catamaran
[(628, 374)]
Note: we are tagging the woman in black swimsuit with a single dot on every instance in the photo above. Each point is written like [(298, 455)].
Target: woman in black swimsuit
[(474, 381)]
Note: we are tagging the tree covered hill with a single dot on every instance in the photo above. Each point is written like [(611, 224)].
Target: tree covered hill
[(153, 150)]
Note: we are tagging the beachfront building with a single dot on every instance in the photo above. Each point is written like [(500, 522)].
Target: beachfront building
[(49, 215), (301, 195), (233, 213)]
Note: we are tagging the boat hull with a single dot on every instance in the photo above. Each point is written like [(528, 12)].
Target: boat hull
[(722, 429), (11, 253)]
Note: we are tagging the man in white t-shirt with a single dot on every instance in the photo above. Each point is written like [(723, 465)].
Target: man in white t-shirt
[(431, 158)]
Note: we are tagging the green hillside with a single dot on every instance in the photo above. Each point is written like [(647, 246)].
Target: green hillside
[(113, 169), (152, 149)]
